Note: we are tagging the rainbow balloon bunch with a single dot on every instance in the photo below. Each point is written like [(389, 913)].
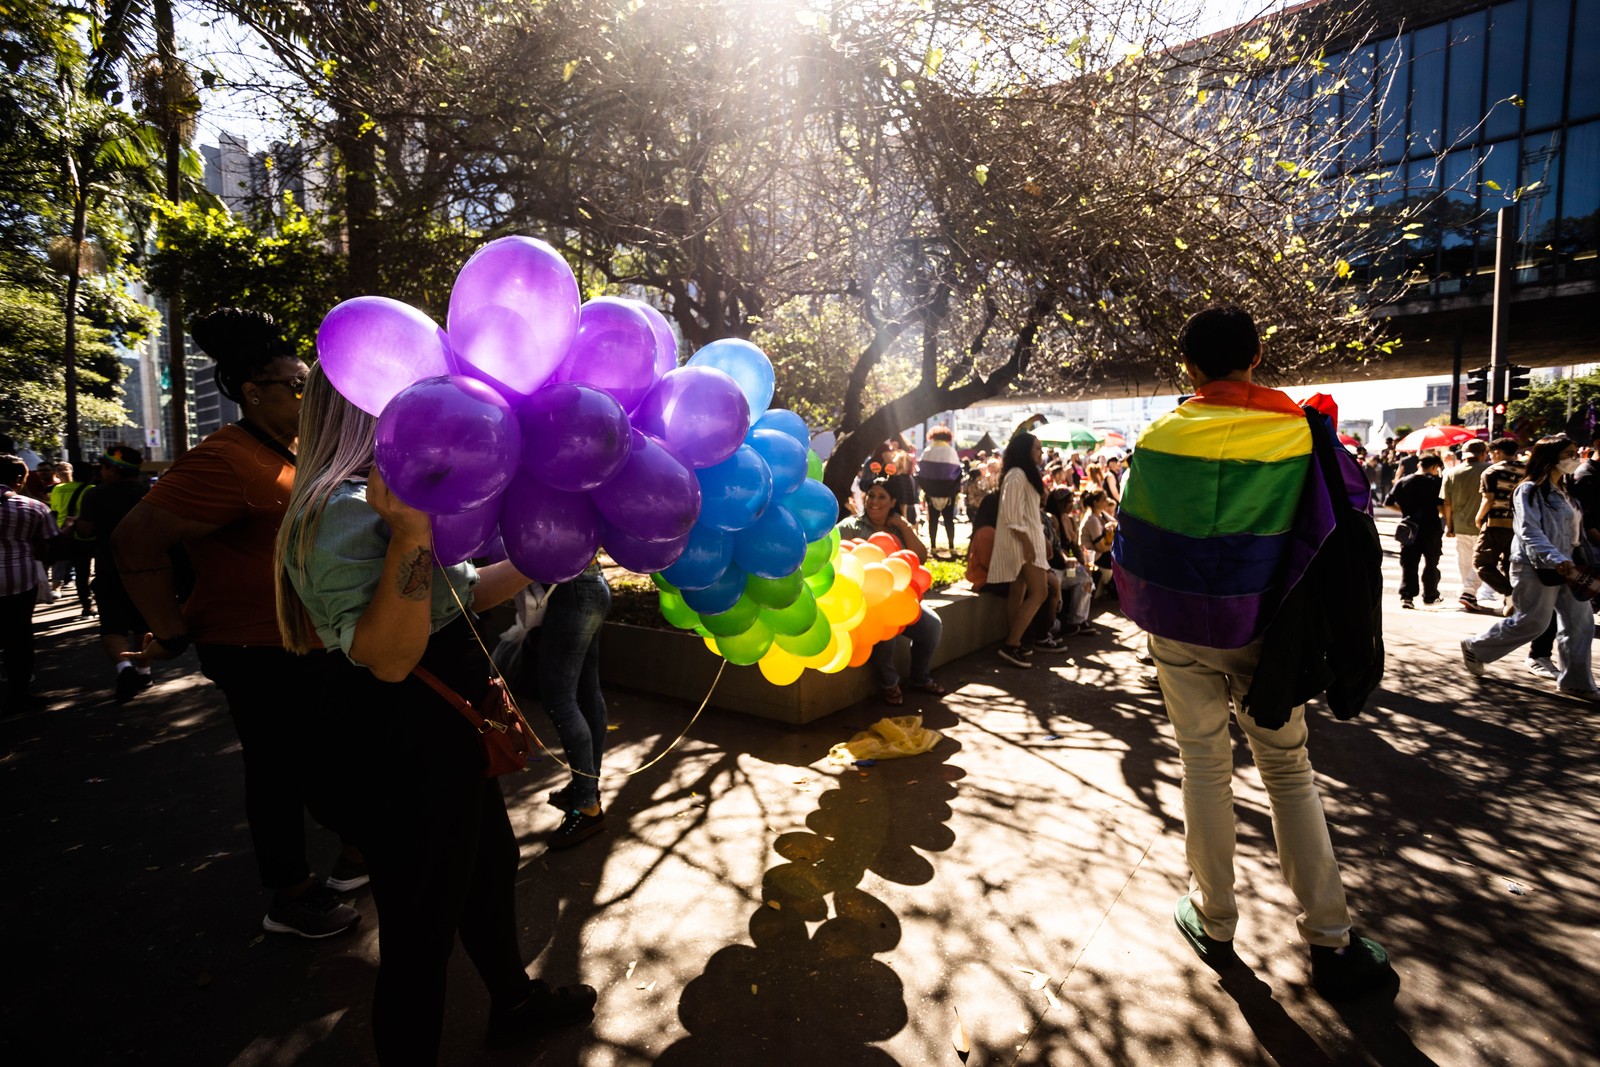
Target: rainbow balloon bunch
[(892, 582), (557, 425)]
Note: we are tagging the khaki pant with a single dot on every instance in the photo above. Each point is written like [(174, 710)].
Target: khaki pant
[(1201, 686), (1466, 565)]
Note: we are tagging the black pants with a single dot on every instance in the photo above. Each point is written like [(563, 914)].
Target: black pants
[(280, 708), (441, 852), (1544, 646), (16, 638), (1424, 550), (82, 563), (949, 514)]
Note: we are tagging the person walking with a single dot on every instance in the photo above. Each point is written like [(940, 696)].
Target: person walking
[(1019, 549), (568, 652), (1417, 495), (1463, 495), (27, 529), (1496, 516), (122, 485), (1202, 562), (1546, 538)]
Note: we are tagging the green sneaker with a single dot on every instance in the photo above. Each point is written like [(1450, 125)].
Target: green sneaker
[(1359, 968), (1213, 953)]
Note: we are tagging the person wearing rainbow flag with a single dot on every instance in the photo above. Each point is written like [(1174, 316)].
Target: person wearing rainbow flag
[(1227, 508)]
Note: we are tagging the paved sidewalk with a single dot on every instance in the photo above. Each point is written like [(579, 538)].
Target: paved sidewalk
[(753, 905)]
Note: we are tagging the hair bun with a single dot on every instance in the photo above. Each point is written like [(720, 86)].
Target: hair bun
[(238, 334)]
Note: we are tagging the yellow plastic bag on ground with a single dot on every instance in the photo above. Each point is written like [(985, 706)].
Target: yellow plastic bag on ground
[(887, 739)]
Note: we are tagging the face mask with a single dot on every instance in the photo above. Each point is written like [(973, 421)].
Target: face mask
[(1567, 466)]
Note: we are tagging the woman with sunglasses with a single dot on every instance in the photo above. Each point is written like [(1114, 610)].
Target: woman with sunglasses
[(221, 504)]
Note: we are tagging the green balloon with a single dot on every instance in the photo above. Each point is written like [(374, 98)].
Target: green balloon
[(663, 584), (822, 581), (774, 593), (675, 611), (819, 553), (810, 643), (748, 647), (736, 620), (703, 632), (813, 466), (795, 619)]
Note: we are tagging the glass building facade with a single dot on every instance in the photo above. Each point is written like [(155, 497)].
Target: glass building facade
[(1496, 106)]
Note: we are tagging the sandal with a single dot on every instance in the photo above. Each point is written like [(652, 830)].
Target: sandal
[(893, 697), (930, 686)]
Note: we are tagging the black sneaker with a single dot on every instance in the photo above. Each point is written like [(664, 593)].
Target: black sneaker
[(1212, 953), (544, 1008), (314, 914), (1360, 967), (1014, 656), (577, 827), (130, 683), (347, 875), (1050, 644)]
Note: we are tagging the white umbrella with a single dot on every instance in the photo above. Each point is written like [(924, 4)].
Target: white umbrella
[(1109, 452)]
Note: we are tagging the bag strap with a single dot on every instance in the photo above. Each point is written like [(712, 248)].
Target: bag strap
[(459, 702), (72, 501)]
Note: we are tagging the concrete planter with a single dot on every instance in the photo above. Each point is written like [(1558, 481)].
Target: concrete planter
[(676, 664)]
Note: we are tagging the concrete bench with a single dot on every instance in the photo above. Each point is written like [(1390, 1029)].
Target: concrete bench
[(673, 663)]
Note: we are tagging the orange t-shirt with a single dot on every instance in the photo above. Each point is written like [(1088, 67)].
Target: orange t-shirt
[(233, 481)]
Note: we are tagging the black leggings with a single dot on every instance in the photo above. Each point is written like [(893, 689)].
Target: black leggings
[(949, 513)]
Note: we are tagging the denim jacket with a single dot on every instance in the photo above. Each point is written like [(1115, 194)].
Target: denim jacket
[(1546, 527)]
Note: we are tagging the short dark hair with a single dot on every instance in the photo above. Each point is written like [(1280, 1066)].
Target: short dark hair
[(1506, 446), (1431, 461), (1220, 340), (11, 468)]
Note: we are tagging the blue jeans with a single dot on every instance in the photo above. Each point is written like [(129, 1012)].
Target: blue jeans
[(569, 678), (1534, 602), (924, 635)]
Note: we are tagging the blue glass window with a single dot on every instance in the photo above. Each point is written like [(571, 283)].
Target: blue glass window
[(1508, 27), (1540, 189), (1547, 61), (1457, 212), (1394, 85), (1427, 90), (1465, 105), (1585, 87), (1497, 180), (1358, 101), (1580, 208)]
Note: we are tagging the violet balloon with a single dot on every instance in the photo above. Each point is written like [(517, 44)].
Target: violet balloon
[(654, 497), (550, 535), (447, 444), (373, 347), (639, 556), (573, 437), (614, 350), (698, 411), (666, 339), (746, 364), (462, 536), (493, 550), (513, 314)]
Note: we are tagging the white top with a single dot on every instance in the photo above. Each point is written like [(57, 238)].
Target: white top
[(1019, 510)]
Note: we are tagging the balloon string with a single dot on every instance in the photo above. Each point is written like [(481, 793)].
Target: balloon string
[(517, 710)]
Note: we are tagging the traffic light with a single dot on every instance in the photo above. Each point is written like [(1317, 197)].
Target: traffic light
[(1478, 385), (1500, 410), (1517, 384)]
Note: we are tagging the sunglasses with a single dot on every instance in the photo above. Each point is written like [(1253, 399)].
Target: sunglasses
[(297, 386)]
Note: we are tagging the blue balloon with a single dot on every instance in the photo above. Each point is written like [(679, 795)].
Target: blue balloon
[(719, 596), (773, 546), (815, 506), (745, 364), (704, 559), (786, 421), (735, 492), (785, 457)]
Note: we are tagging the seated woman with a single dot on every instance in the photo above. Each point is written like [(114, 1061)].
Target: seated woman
[(882, 516), (355, 565), (1076, 583)]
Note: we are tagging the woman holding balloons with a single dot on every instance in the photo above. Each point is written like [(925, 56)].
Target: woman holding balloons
[(882, 519), (356, 565)]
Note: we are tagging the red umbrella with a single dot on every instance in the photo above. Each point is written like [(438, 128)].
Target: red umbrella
[(1112, 438), (1346, 439), (1434, 437)]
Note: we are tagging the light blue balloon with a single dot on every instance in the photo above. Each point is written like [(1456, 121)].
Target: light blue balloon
[(735, 492), (815, 507), (788, 422), (786, 459), (773, 546), (745, 364), (719, 596), (703, 562)]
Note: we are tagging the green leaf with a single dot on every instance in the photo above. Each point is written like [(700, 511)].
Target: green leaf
[(981, 172)]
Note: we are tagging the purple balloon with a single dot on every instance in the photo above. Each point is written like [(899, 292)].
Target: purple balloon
[(493, 550), (699, 411), (447, 444), (373, 347), (615, 350), (639, 556), (666, 340), (551, 536), (513, 314), (462, 536), (653, 497), (573, 437)]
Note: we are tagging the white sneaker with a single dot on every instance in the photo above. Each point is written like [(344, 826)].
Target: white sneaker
[(1543, 666), (1473, 663)]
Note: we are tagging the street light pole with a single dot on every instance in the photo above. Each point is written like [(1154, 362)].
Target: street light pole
[(1504, 250)]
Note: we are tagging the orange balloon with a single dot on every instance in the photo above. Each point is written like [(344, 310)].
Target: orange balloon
[(877, 584), (849, 544), (901, 570), (886, 541), (907, 555), (860, 648), (902, 609), (921, 581), (869, 553)]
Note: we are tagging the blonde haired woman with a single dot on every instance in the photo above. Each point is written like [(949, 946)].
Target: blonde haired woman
[(355, 565)]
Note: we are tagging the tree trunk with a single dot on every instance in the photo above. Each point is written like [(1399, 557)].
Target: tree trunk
[(358, 152), (69, 348), (177, 363)]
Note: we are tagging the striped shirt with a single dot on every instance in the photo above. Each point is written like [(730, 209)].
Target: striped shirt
[(1020, 510), (25, 525)]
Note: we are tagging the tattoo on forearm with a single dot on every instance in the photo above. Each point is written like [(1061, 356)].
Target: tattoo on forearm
[(415, 580)]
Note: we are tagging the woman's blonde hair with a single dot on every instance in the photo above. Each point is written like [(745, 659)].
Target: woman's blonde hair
[(335, 444)]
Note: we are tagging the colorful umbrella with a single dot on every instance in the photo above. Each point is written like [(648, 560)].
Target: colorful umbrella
[(1434, 437), (1065, 434), (1111, 438)]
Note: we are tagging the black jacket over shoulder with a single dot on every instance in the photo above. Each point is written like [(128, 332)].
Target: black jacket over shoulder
[(1327, 636)]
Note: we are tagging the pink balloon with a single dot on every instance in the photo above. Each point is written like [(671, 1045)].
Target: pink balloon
[(513, 314), (615, 350), (699, 411), (550, 536), (373, 347), (654, 497)]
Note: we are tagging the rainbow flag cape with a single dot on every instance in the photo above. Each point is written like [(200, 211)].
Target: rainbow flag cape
[(1206, 534)]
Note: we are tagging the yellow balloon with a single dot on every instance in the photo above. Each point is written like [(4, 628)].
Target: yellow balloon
[(901, 571), (711, 643), (855, 605), (868, 553), (849, 566), (827, 655), (780, 667), (841, 658), (878, 584)]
